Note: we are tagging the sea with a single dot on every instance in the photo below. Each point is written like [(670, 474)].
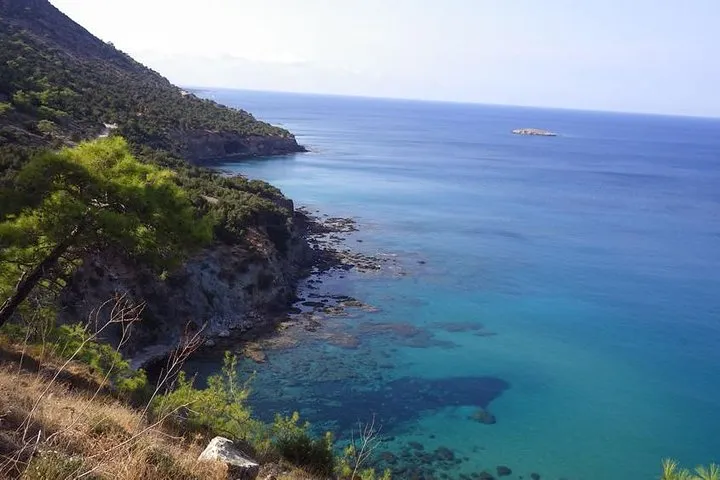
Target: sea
[(568, 285)]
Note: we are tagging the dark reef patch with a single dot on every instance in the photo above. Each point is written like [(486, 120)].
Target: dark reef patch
[(394, 402)]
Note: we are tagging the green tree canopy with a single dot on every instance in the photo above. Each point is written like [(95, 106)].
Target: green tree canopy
[(95, 195)]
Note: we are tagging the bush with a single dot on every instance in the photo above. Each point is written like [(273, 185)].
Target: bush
[(131, 384), (46, 127), (74, 341), (5, 107), (295, 443), (218, 409)]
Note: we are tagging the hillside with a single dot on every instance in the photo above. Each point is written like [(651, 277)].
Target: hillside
[(60, 84)]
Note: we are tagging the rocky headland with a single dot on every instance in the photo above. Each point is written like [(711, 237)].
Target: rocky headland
[(207, 147)]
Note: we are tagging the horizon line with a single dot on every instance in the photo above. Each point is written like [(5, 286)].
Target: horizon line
[(454, 102)]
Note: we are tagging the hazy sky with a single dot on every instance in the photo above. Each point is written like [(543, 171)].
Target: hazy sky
[(628, 55)]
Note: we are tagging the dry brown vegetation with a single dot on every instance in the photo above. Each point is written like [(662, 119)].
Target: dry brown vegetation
[(52, 430), (68, 432)]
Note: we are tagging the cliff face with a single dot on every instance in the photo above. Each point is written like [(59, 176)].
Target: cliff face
[(225, 288), (203, 145)]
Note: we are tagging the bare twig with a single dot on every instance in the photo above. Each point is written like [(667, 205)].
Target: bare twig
[(367, 441)]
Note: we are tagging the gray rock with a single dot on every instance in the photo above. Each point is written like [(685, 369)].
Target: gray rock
[(240, 467)]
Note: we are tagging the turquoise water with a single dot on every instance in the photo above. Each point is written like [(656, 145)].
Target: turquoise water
[(593, 258)]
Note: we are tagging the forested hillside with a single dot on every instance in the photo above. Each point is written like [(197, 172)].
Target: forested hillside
[(59, 84)]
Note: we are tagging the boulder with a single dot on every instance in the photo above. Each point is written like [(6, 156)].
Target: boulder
[(240, 467)]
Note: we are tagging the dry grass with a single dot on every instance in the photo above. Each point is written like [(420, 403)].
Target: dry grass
[(72, 428), (49, 431), (59, 420)]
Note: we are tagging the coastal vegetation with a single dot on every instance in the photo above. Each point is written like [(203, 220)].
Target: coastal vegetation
[(672, 471), (92, 196)]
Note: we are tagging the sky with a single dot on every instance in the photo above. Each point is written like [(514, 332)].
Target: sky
[(651, 56)]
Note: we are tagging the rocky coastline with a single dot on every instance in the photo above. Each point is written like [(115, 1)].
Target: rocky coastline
[(234, 293)]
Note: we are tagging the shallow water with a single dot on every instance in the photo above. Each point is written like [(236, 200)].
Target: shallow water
[(568, 284)]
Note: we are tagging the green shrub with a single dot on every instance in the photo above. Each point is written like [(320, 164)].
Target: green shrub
[(219, 409), (46, 127), (131, 384), (295, 443), (74, 341), (5, 107), (348, 469)]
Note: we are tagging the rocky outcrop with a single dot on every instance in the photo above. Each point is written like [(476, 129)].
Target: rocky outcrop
[(239, 466), (227, 289), (202, 146)]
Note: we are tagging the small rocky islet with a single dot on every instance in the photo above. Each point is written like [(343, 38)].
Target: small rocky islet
[(539, 132)]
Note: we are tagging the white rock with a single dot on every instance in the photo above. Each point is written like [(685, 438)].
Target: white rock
[(240, 467)]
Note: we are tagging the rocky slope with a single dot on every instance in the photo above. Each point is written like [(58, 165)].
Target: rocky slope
[(225, 289)]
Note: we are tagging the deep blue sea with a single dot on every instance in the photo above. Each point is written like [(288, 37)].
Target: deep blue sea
[(570, 285)]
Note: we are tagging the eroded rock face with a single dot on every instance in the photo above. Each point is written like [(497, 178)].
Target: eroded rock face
[(202, 146), (240, 467), (228, 289)]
